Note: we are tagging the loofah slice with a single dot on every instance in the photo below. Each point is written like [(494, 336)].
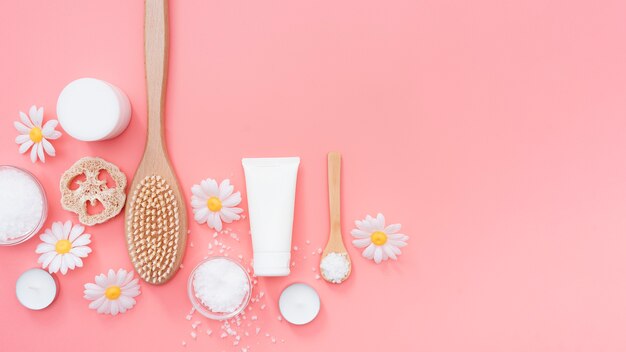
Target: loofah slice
[(93, 190)]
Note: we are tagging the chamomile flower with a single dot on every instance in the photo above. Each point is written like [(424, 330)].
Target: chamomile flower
[(215, 204), (112, 293), (34, 134), (63, 247), (380, 242)]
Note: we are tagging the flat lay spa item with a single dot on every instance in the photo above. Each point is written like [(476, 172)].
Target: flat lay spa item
[(36, 289), (380, 242), (34, 133), (23, 205), (63, 247), (156, 219), (113, 292), (90, 109), (219, 288), (335, 263), (93, 190), (299, 303), (271, 190), (213, 204)]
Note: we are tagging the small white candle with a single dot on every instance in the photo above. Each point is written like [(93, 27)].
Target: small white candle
[(36, 289), (299, 303)]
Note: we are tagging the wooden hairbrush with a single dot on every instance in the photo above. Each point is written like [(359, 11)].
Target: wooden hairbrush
[(156, 219)]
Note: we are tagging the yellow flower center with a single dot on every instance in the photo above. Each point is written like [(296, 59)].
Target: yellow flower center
[(113, 292), (63, 246), (214, 204), (379, 238), (35, 134)]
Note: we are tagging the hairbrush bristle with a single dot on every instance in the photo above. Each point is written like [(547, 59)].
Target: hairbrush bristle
[(153, 229)]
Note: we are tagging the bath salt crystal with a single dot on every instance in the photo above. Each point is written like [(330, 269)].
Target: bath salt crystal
[(257, 331), (220, 285), (193, 335), (262, 306), (195, 324), (184, 343), (21, 204), (295, 248), (279, 318), (254, 317), (317, 277), (307, 242), (223, 335), (261, 294), (209, 332), (335, 267)]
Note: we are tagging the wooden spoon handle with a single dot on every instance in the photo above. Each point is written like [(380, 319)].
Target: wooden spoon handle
[(334, 180), (156, 56)]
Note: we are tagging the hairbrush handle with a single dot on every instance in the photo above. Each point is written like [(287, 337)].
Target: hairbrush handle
[(156, 59)]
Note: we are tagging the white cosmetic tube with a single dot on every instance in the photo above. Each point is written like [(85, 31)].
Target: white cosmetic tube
[(271, 190)]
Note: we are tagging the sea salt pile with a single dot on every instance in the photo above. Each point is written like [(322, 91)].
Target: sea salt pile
[(21, 204), (335, 267), (221, 285)]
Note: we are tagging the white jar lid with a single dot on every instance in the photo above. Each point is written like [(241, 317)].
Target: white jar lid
[(90, 109), (299, 303)]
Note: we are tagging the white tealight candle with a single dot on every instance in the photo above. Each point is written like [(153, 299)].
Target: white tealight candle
[(36, 289), (299, 303)]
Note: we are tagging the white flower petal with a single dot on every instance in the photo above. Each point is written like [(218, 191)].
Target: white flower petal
[(26, 121), (33, 153), (391, 229), (22, 138), (214, 221), (380, 222), (80, 251), (114, 308), (209, 186), (78, 261), (378, 255), (228, 215), (54, 135), (46, 258), (121, 277), (198, 203), (369, 251), (111, 277), (101, 280), (76, 231), (48, 148), (225, 189), (44, 247), (389, 251), (97, 303), (361, 242), (105, 308), (55, 265), (232, 200), (81, 241), (201, 215), (198, 192), (360, 233), (34, 116), (21, 128), (397, 243), (40, 153), (67, 228), (57, 230), (24, 147), (49, 127), (64, 265)]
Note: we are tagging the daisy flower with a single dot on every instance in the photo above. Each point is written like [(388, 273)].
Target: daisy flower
[(63, 247), (33, 134), (213, 204), (380, 242), (112, 293)]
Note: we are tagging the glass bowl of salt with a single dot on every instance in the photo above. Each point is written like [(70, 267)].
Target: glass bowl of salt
[(219, 288), (23, 205)]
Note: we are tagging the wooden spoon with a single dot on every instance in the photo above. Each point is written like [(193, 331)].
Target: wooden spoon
[(156, 219), (335, 240)]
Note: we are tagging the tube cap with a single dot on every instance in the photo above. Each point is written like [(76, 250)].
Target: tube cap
[(272, 263)]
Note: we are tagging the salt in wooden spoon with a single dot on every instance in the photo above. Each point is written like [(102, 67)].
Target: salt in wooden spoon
[(335, 240)]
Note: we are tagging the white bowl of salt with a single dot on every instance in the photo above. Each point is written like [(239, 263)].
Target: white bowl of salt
[(23, 205), (219, 288)]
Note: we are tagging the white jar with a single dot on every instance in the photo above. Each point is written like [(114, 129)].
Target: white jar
[(90, 109)]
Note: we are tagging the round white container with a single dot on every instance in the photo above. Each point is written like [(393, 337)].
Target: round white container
[(36, 289), (90, 109), (299, 303)]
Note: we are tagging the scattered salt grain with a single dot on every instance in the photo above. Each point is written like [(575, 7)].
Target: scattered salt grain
[(193, 335), (335, 267), (279, 318), (308, 242), (295, 248), (223, 335), (195, 324), (257, 331), (184, 343), (209, 332), (254, 317), (317, 277)]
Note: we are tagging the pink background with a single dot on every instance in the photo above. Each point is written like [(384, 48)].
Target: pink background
[(492, 130)]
